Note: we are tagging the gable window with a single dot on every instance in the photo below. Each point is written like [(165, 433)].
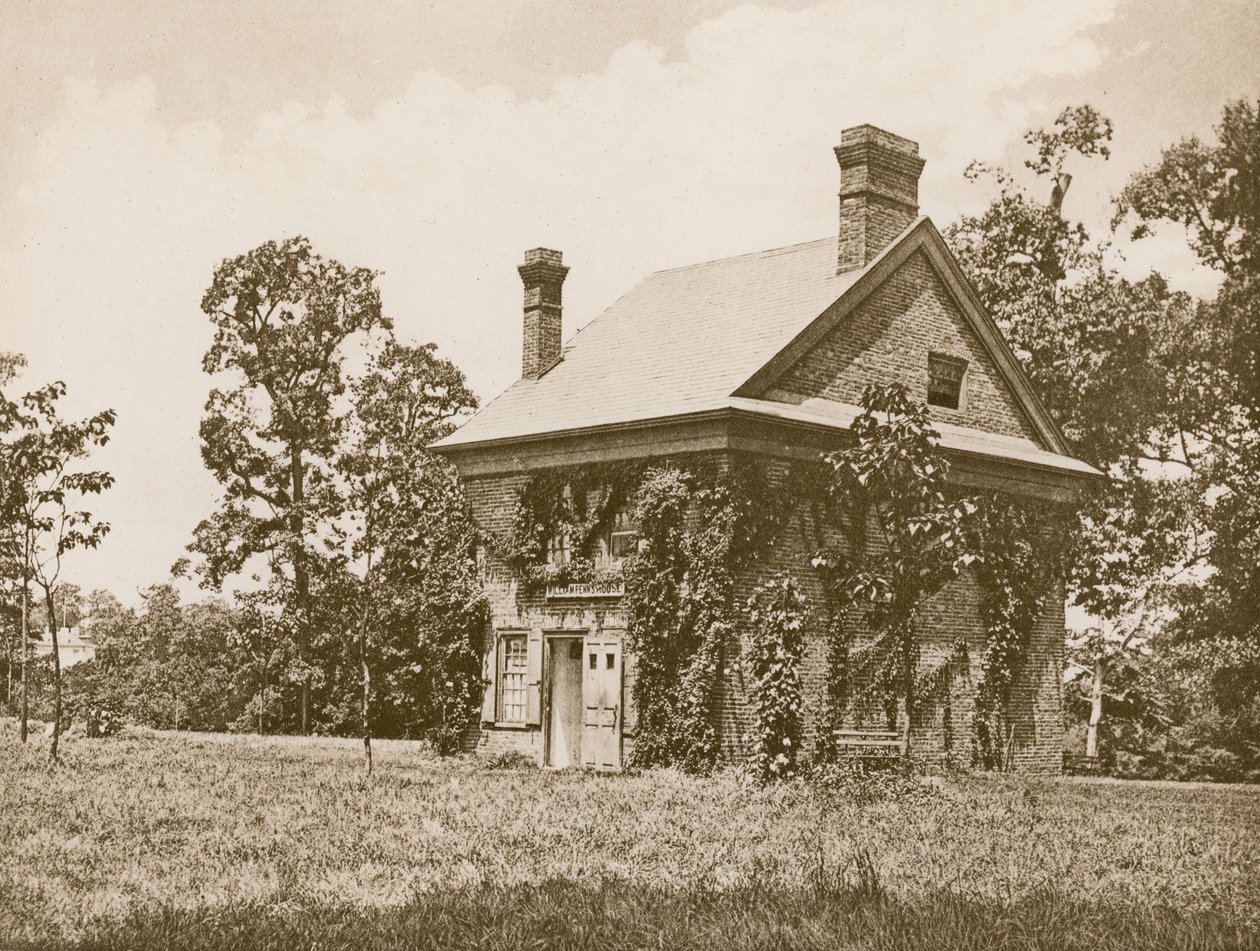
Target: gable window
[(513, 664), (945, 380)]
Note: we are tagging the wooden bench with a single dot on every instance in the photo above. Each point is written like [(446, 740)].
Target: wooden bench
[(870, 744)]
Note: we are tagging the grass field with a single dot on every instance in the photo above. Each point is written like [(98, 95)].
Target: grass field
[(165, 841)]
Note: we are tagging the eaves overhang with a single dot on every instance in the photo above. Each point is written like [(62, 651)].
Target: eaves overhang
[(742, 428)]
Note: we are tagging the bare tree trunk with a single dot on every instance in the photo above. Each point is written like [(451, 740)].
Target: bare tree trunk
[(56, 654), (24, 729), (366, 699), (907, 680), (262, 700), (8, 668), (1095, 707), (301, 577)]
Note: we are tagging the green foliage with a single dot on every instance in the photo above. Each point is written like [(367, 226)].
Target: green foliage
[(576, 503), (892, 475), (284, 318), (43, 491), (1212, 191), (696, 527), (678, 590), (403, 575), (776, 619), (169, 665), (1015, 571)]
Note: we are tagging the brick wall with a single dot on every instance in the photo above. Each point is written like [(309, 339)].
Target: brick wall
[(888, 338), (951, 614)]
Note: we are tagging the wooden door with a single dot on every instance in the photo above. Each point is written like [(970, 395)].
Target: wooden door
[(564, 701), (601, 702)]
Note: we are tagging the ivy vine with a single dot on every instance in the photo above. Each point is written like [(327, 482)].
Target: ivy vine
[(776, 613), (1018, 557), (698, 524), (698, 528)]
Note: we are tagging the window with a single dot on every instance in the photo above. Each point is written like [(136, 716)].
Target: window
[(512, 669), (945, 380), (559, 551), (622, 537), (619, 540)]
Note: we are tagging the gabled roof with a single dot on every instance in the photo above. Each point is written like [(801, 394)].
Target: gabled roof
[(715, 336), (682, 341)]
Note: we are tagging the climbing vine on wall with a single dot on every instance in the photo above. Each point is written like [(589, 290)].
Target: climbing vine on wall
[(698, 523), (776, 614), (892, 475), (1019, 557), (575, 504), (698, 528)]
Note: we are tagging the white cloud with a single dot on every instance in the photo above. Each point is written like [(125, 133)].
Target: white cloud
[(116, 227)]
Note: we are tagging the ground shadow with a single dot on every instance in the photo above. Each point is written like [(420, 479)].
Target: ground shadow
[(609, 915)]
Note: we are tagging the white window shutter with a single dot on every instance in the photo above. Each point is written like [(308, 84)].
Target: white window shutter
[(533, 678), (489, 662)]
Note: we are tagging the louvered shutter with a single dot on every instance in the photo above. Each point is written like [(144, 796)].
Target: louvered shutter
[(489, 663), (533, 678)]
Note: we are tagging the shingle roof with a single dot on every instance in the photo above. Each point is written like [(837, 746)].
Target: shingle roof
[(688, 340), (682, 341)]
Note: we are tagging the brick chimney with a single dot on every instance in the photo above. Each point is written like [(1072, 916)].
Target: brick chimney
[(879, 192), (543, 276)]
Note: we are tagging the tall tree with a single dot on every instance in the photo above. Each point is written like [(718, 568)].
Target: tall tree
[(409, 587), (1212, 191), (285, 319), (1127, 368)]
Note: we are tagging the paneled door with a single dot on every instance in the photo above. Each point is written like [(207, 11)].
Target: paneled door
[(601, 702)]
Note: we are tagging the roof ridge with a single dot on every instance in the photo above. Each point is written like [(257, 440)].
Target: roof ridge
[(745, 254)]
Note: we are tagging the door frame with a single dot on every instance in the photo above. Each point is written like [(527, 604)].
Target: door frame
[(550, 636)]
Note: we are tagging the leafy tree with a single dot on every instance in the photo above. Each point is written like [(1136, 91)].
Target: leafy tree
[(42, 489), (1212, 191), (409, 583), (892, 478), (1133, 551), (1129, 370), (284, 320), (168, 666)]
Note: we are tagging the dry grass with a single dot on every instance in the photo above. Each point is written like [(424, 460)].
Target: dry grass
[(200, 842)]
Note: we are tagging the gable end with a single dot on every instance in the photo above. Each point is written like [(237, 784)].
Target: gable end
[(911, 304)]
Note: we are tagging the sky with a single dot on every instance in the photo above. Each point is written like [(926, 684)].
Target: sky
[(142, 143)]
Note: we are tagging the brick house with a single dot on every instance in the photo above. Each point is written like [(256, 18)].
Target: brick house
[(761, 356)]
